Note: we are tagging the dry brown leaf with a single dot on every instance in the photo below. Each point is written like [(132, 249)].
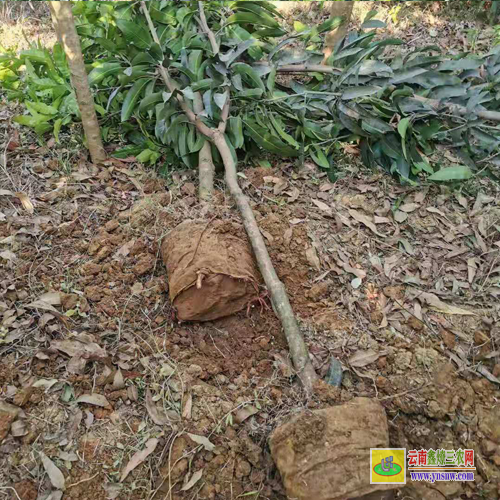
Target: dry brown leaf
[(486, 373), (52, 298), (93, 399), (312, 258), (438, 305), (434, 210), (363, 358), (124, 250), (471, 269), (194, 479), (322, 206), (25, 202), (139, 457), (157, 416), (118, 382), (400, 216), (364, 219), (8, 255), (293, 193), (243, 413), (409, 207), (55, 475), (207, 444), (187, 409)]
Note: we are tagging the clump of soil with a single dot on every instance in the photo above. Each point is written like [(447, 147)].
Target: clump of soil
[(211, 271)]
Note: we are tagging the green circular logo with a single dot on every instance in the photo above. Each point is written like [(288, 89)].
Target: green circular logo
[(396, 469)]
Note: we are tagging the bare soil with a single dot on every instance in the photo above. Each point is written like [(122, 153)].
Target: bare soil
[(373, 286)]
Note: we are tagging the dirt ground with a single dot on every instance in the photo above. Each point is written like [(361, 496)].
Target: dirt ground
[(400, 284), (95, 366)]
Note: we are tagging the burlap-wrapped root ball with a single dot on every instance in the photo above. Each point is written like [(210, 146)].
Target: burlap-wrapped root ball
[(211, 272), (325, 454)]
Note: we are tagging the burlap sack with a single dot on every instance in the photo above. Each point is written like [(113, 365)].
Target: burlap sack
[(211, 272), (325, 454)]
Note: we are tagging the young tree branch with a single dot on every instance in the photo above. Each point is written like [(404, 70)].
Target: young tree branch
[(206, 29), (279, 297)]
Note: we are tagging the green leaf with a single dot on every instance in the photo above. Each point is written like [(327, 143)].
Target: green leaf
[(42, 108), (248, 71), (299, 27), (236, 131), (281, 131), (361, 91), (162, 17), (267, 141), (271, 79), (135, 33), (31, 121), (320, 158), (330, 24), (132, 97), (253, 19), (220, 99), (459, 172), (102, 71), (403, 127), (461, 64), (150, 102), (373, 23), (233, 54), (57, 128)]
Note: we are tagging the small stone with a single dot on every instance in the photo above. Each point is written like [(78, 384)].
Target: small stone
[(195, 370), (488, 447), (69, 301), (317, 291), (111, 225), (243, 469), (6, 420), (496, 370), (104, 252)]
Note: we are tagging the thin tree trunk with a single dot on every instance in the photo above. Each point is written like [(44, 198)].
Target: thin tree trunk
[(281, 304), (337, 9), (64, 25), (205, 161)]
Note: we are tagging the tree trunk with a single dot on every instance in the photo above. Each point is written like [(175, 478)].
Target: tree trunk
[(337, 9), (205, 161), (64, 25)]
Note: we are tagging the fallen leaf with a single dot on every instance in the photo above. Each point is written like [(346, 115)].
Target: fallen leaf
[(55, 475), (408, 207), (158, 416), (8, 255), (139, 457), (471, 269), (438, 305), (118, 382), (194, 479), (322, 206), (18, 428), (356, 283), (6, 192), (243, 413), (124, 250), (207, 444), (93, 399), (312, 258), (293, 193), (400, 216), (364, 219), (363, 358), (486, 373), (434, 210), (187, 408), (52, 298), (25, 202)]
